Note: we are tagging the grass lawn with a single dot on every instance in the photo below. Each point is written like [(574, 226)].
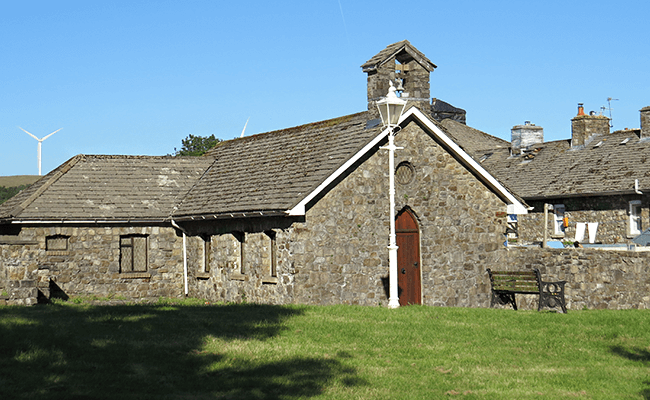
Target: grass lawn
[(189, 350)]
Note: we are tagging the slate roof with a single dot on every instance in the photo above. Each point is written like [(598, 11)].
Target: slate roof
[(108, 188), (608, 164), (265, 174), (472, 140), (394, 49), (271, 172)]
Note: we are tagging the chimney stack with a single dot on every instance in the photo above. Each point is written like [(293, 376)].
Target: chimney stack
[(526, 136), (645, 122), (584, 127)]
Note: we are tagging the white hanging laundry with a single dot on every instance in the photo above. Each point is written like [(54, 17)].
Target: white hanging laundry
[(592, 227), (580, 232)]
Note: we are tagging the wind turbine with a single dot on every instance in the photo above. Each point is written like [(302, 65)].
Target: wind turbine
[(244, 130), (40, 142)]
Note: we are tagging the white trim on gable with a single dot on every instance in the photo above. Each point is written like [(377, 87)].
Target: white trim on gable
[(514, 206), (299, 209)]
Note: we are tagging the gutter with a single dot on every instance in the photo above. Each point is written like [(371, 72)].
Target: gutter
[(85, 222), (232, 215), (571, 195)]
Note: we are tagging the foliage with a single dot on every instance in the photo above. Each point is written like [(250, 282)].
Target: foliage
[(196, 145), (189, 349), (8, 192)]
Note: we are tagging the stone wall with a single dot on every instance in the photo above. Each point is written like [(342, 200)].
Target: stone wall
[(611, 213), (338, 253), (228, 281), (91, 263), (596, 279)]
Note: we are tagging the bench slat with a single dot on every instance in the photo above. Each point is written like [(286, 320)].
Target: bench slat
[(505, 284), (513, 273)]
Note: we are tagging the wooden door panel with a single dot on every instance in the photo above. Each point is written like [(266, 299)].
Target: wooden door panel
[(408, 259)]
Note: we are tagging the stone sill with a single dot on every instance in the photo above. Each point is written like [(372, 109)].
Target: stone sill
[(237, 277), (202, 275), (135, 275), (557, 236), (270, 280), (57, 252), (12, 240)]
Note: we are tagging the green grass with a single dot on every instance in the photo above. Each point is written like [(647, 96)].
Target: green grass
[(190, 350)]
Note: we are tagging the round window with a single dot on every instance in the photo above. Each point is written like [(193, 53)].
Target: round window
[(404, 173)]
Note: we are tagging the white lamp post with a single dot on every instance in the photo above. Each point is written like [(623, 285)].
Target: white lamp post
[(391, 108)]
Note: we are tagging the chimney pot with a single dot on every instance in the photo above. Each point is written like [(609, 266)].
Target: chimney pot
[(581, 109)]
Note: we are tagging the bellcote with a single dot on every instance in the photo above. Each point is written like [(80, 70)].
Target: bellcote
[(406, 67)]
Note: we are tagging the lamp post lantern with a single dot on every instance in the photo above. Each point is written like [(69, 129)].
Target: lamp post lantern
[(391, 108)]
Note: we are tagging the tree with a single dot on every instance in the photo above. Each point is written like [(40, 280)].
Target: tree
[(8, 192), (196, 145)]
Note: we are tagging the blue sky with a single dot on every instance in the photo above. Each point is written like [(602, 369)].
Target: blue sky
[(136, 77)]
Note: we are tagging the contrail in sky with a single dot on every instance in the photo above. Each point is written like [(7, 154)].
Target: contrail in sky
[(344, 24)]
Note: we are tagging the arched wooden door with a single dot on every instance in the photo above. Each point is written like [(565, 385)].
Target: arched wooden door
[(408, 259)]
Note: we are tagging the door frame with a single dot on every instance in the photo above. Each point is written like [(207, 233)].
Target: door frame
[(413, 216)]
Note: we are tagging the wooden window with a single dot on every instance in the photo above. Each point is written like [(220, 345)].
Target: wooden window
[(272, 254), (241, 238), (56, 243), (207, 240), (635, 217), (133, 253)]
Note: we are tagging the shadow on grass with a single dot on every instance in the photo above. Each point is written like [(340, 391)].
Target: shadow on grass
[(635, 354), (149, 351)]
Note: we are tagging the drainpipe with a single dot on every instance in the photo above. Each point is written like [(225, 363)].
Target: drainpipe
[(184, 256), (636, 187)]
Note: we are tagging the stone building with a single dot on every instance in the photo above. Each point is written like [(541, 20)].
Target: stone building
[(597, 180), (301, 215), (292, 216)]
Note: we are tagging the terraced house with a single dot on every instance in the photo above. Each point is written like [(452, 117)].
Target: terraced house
[(301, 215)]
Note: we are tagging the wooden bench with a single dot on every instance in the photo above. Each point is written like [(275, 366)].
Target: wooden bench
[(505, 284)]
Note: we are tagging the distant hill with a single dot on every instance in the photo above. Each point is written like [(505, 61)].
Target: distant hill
[(11, 185), (18, 180)]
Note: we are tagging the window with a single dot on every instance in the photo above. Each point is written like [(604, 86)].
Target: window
[(558, 219), (207, 240), (133, 253), (404, 173), (56, 243), (272, 254), (635, 217), (241, 238)]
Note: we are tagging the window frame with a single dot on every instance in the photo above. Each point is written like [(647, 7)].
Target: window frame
[(49, 238), (207, 248), (558, 219), (273, 263), (634, 218), (123, 246), (241, 238)]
